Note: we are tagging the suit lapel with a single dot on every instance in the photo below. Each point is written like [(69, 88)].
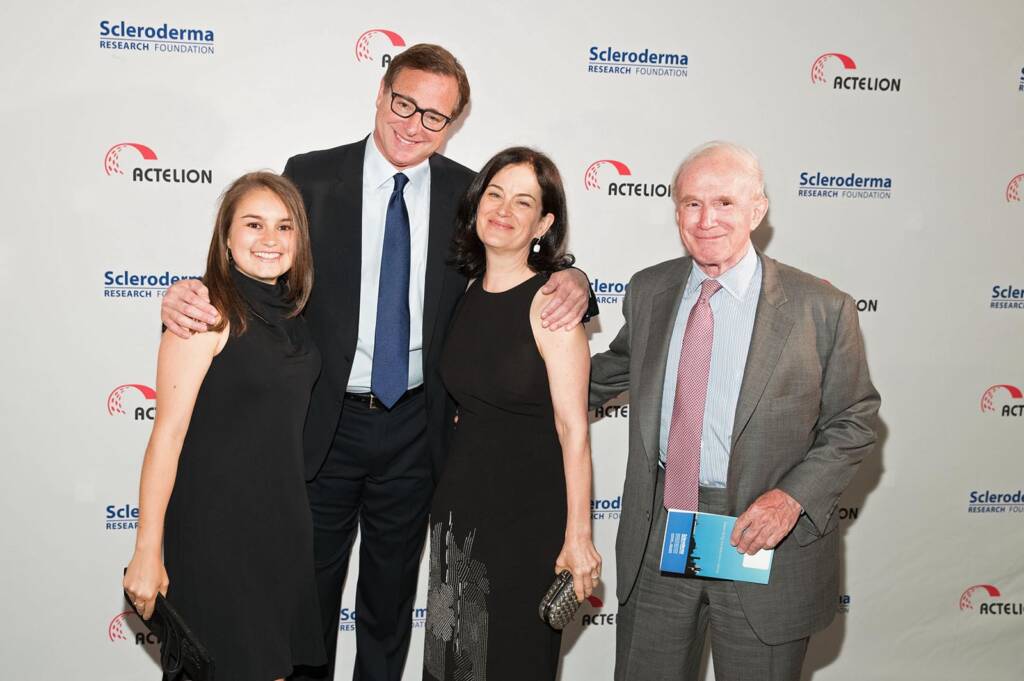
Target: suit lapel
[(344, 237), (772, 326), (439, 237), (664, 309)]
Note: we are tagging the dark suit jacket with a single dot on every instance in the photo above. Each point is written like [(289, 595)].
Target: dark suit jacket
[(331, 182), (805, 417)]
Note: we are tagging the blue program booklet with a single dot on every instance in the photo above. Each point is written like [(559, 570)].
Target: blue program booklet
[(697, 545)]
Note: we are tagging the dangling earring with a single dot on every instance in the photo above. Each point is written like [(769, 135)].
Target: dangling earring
[(230, 257), (535, 245)]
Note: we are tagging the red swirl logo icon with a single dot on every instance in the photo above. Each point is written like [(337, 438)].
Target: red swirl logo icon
[(590, 176), (112, 159), (818, 68), (968, 594), (115, 400), (363, 52), (116, 628), (987, 398), (1013, 188)]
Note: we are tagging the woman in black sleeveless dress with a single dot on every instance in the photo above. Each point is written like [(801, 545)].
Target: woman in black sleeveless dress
[(222, 482), (513, 505)]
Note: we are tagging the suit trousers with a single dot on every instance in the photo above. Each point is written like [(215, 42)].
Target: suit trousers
[(377, 479), (662, 628)]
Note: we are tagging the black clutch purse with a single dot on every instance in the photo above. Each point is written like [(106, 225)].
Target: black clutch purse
[(182, 656), (559, 604)]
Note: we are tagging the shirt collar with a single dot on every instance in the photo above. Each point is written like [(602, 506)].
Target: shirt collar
[(735, 281), (378, 171)]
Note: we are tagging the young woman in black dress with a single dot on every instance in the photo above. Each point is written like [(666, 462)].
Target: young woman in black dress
[(222, 494), (513, 505)]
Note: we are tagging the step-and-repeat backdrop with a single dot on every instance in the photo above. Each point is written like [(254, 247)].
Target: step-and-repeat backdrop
[(892, 138)]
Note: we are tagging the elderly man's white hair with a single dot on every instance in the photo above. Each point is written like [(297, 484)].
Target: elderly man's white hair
[(737, 151)]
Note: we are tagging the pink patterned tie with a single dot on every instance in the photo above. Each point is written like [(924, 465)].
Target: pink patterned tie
[(682, 465)]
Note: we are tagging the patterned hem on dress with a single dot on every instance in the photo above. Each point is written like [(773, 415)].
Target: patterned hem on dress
[(455, 645)]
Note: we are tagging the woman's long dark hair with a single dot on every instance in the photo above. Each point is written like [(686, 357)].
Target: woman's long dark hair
[(468, 251), (224, 294)]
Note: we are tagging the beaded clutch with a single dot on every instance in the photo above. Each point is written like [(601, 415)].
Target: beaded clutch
[(559, 604)]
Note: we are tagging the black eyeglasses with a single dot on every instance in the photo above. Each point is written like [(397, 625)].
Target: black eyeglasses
[(430, 119)]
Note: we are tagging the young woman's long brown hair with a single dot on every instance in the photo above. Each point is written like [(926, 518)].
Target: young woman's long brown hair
[(224, 294)]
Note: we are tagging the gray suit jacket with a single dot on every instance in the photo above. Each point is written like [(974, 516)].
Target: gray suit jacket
[(805, 418)]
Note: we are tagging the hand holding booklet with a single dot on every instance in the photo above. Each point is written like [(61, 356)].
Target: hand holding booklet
[(697, 545)]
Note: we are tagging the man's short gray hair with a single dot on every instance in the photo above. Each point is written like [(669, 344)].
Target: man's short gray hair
[(737, 151)]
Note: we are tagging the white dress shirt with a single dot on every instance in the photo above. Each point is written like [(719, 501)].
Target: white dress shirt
[(378, 183)]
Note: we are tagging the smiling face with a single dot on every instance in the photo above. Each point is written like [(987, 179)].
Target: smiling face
[(404, 142), (719, 204), (261, 238), (509, 215)]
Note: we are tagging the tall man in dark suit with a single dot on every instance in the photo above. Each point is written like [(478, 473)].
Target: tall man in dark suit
[(381, 214), (750, 396)]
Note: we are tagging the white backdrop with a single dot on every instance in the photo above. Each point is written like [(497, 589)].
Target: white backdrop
[(933, 583)]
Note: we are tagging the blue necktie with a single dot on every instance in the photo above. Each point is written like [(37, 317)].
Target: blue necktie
[(390, 376)]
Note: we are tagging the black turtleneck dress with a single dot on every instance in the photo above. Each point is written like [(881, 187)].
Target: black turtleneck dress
[(238, 535)]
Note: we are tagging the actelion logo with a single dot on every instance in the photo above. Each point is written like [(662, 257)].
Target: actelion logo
[(112, 159), (1013, 189), (143, 173), (1003, 399), (984, 592), (590, 180), (596, 170), (121, 35), (590, 619), (818, 67), (124, 400), (863, 304), (119, 630), (611, 411), (848, 513), (826, 63), (368, 42), (610, 60)]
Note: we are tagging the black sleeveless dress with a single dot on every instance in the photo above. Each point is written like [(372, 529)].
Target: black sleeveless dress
[(238, 535), (498, 517)]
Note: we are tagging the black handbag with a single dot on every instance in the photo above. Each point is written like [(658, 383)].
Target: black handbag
[(559, 604), (182, 656)]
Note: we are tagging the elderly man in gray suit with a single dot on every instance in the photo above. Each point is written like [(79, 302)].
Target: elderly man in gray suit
[(750, 396)]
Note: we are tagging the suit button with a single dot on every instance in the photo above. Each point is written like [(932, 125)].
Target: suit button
[(647, 515)]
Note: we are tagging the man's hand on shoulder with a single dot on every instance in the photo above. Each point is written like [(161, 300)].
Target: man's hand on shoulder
[(570, 294), (768, 520), (186, 308)]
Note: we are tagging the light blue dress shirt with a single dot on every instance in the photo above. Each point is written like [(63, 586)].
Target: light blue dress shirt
[(733, 307), (378, 183)]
